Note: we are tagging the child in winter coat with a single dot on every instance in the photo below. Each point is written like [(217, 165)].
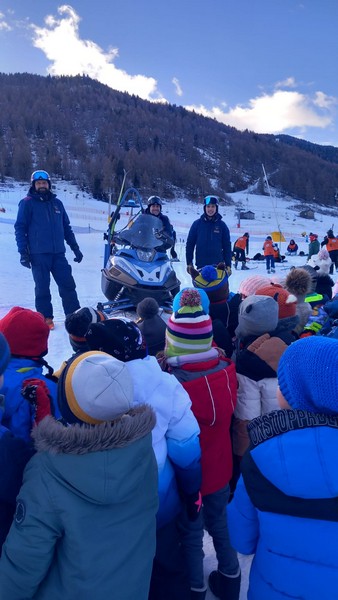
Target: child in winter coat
[(210, 380), (84, 525), (27, 335), (269, 254), (292, 248), (285, 506), (151, 325), (175, 442), (77, 324)]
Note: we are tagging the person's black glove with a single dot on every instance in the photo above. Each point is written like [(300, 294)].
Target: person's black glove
[(173, 252), (78, 255), (193, 503), (25, 261), (190, 268)]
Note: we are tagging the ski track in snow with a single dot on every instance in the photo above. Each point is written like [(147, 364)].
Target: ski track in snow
[(89, 219)]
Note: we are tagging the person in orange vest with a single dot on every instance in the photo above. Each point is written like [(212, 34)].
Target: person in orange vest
[(269, 253), (241, 247), (292, 248), (332, 248)]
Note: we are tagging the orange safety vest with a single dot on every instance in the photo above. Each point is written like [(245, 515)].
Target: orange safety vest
[(268, 248), (292, 247), (241, 242), (332, 244)]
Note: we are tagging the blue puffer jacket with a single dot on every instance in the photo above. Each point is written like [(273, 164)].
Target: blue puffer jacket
[(42, 225), (295, 556), (211, 239), (18, 417)]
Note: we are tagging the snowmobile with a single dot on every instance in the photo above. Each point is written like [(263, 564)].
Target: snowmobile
[(138, 267)]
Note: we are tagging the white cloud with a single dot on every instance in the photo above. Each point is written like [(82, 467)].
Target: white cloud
[(4, 26), (70, 55), (275, 113), (289, 82), (177, 85)]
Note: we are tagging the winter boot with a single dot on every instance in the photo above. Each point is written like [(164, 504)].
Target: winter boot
[(50, 323), (268, 271), (244, 267), (273, 270), (225, 587), (236, 264), (198, 594)]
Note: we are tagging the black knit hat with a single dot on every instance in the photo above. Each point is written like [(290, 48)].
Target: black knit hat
[(119, 337), (77, 324)]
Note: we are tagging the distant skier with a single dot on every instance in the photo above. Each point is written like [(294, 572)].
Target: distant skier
[(332, 248), (241, 247), (269, 254), (314, 245), (292, 248), (41, 229), (209, 236)]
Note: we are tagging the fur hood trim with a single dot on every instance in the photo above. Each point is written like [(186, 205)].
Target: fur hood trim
[(54, 437)]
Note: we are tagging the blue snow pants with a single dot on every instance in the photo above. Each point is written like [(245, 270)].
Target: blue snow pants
[(45, 265)]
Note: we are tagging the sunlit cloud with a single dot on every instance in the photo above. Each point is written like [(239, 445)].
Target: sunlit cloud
[(177, 85), (4, 26), (70, 55), (289, 82), (277, 112)]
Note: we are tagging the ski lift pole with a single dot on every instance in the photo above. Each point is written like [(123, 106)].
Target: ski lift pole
[(274, 207)]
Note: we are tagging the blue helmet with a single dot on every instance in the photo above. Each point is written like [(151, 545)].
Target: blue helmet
[(40, 176)]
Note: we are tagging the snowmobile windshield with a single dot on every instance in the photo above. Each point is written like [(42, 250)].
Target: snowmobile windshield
[(144, 233)]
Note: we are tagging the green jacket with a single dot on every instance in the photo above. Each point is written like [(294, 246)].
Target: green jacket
[(84, 527)]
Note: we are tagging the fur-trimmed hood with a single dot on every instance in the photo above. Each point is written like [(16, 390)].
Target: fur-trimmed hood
[(52, 436), (102, 464)]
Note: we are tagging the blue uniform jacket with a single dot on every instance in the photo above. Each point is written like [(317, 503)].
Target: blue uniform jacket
[(295, 556), (210, 238), (42, 225)]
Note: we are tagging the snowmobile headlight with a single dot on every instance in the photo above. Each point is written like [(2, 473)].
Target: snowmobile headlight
[(145, 255)]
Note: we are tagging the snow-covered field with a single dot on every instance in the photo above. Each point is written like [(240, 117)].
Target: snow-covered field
[(89, 219)]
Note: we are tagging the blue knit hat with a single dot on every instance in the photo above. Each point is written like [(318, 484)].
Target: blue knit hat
[(308, 375), (4, 353)]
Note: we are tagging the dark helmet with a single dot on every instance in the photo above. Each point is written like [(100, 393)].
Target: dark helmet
[(293, 241), (268, 237), (154, 200), (330, 233), (246, 234), (40, 176), (211, 200)]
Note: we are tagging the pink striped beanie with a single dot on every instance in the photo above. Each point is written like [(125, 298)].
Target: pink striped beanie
[(189, 329)]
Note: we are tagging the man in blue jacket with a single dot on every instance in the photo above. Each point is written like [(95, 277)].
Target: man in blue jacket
[(41, 229), (209, 237)]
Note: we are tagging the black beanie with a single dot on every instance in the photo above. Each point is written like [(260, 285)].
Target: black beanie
[(119, 337)]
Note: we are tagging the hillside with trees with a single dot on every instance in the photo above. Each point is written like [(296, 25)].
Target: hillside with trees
[(83, 131)]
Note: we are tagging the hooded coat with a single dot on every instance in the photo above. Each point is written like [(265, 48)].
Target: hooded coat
[(295, 555), (85, 520)]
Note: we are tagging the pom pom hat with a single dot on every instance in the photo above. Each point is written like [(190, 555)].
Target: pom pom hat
[(4, 353), (93, 388), (119, 337), (213, 281), (77, 324), (308, 375), (287, 303), (26, 332), (189, 329)]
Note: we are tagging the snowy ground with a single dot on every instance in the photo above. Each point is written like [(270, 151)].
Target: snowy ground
[(89, 220)]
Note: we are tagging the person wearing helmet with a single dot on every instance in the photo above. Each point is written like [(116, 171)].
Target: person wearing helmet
[(154, 207), (241, 247), (209, 238), (41, 229)]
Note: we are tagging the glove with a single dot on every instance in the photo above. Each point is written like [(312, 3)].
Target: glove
[(193, 503), (173, 253), (228, 270), (24, 260), (189, 268), (36, 392), (78, 255)]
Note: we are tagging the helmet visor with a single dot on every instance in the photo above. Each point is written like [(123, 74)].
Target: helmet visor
[(40, 175), (154, 200), (210, 200)]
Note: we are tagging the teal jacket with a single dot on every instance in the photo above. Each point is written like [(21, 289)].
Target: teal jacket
[(84, 526)]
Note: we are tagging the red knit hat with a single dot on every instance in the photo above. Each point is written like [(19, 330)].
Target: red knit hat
[(287, 303), (26, 332)]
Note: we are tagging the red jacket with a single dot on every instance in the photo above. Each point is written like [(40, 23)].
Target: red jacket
[(213, 397)]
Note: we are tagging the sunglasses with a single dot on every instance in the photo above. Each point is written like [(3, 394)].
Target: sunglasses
[(40, 175), (211, 200)]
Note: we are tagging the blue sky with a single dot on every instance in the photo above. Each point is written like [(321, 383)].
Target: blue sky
[(265, 65)]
